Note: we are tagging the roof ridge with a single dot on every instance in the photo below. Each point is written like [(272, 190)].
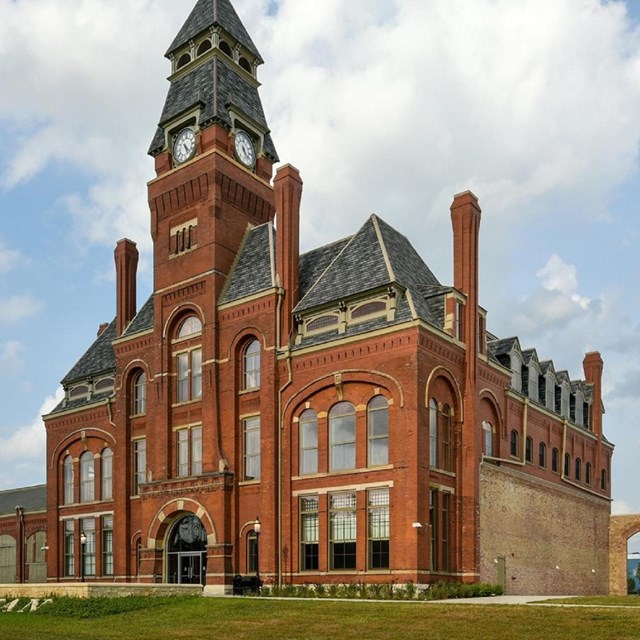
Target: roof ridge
[(385, 253)]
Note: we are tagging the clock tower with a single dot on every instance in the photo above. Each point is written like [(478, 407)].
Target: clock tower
[(213, 151)]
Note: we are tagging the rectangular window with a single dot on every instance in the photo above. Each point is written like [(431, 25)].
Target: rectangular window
[(378, 523), (196, 451), (252, 553), (342, 440), (309, 533), (433, 528), (89, 551), (139, 465), (189, 370), (183, 377), (107, 546), (308, 444), (69, 548), (251, 437), (196, 374), (107, 474), (183, 453), (459, 328), (342, 531), (445, 510)]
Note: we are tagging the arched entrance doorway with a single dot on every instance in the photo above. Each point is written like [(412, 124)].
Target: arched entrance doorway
[(187, 551), (621, 528)]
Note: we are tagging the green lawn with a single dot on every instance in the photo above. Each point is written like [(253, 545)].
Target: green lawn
[(265, 619)]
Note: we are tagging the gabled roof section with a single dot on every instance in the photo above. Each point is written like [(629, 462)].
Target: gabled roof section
[(143, 320), (29, 498), (99, 358), (503, 347), (374, 257), (213, 86), (213, 13), (315, 262), (254, 268)]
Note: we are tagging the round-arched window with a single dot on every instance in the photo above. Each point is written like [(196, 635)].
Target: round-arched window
[(190, 326)]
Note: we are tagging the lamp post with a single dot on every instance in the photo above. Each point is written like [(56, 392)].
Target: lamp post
[(83, 543), (257, 527)]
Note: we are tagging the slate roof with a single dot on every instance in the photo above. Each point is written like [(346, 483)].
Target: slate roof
[(215, 86), (99, 358), (30, 498), (314, 263), (254, 269), (143, 320), (213, 13)]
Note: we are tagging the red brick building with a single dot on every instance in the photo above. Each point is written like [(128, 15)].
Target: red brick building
[(345, 397)]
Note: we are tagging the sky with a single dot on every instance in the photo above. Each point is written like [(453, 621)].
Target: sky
[(386, 106)]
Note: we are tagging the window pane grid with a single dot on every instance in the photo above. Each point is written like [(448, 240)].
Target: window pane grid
[(378, 525), (342, 530), (251, 431), (342, 436), (309, 533), (107, 474), (378, 424), (308, 443)]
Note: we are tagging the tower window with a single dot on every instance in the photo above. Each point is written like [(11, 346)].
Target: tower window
[(183, 61), (204, 47), (251, 366), (226, 48), (246, 65)]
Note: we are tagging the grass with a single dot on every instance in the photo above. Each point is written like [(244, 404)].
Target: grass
[(268, 619), (602, 601)]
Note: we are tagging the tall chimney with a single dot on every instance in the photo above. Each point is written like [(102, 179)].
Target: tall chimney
[(593, 367), (126, 257), (288, 194)]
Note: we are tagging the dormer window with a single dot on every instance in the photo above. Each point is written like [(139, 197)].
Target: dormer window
[(183, 61), (368, 309), (81, 391), (550, 391), (564, 400), (204, 46), (534, 376), (225, 47), (323, 323), (104, 385), (516, 371), (578, 415)]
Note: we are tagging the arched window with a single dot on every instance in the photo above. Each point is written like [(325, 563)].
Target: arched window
[(528, 451), (308, 442), (190, 327), (68, 477), (445, 437), (183, 60), (251, 366), (603, 480), (226, 48), (587, 473), (555, 460), (488, 433), (189, 363), (87, 485), (514, 443), (342, 437), (433, 433), (205, 45), (378, 428), (567, 465), (245, 64), (578, 469), (542, 455), (107, 474), (140, 394)]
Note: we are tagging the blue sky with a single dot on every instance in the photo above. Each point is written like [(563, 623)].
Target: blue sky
[(386, 106)]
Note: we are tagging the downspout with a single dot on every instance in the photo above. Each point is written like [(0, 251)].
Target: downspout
[(564, 449), (280, 293), (525, 419), (20, 515)]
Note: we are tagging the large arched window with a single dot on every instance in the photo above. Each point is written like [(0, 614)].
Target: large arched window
[(140, 394), (251, 366), (87, 477), (308, 442), (342, 437), (189, 362), (488, 432), (107, 474), (378, 428), (68, 479)]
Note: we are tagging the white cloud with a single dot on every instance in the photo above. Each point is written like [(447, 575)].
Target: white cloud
[(11, 357), (19, 307), (8, 259), (22, 453), (559, 276)]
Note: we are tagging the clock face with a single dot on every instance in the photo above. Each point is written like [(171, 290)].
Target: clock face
[(245, 149), (184, 146)]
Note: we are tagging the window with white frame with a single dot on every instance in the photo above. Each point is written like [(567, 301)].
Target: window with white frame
[(68, 478), (342, 437), (189, 375), (516, 371), (189, 451), (251, 439), (378, 428), (433, 433), (89, 552), (378, 528), (87, 477), (69, 548), (140, 394), (550, 391), (107, 474), (308, 430), (534, 377), (488, 438), (251, 366), (565, 400), (107, 545), (342, 531), (139, 464), (309, 533)]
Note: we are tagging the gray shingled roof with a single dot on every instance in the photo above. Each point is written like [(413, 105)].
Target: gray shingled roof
[(213, 13), (314, 263), (143, 320), (215, 86), (254, 268), (30, 498), (99, 358)]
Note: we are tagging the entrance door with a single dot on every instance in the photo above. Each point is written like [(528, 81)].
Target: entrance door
[(187, 552)]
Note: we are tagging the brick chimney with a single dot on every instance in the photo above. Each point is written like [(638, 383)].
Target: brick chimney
[(593, 367), (288, 194), (126, 257)]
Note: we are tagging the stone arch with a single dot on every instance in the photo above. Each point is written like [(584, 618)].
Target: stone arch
[(437, 376), (80, 434), (170, 512), (621, 528), (177, 315)]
